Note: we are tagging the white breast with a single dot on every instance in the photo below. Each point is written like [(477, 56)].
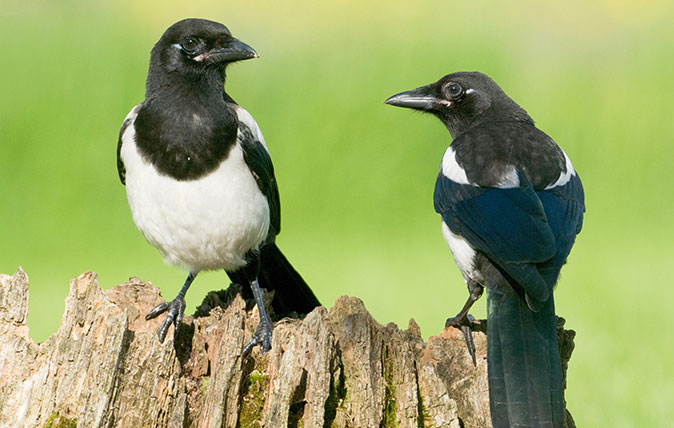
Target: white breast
[(204, 224)]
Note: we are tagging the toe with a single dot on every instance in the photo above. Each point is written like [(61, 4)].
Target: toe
[(468, 335), (263, 335), (267, 332), (266, 345), (176, 310), (157, 310), (164, 328), (249, 346)]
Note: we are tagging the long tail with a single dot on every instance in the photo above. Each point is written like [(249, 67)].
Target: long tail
[(292, 292), (525, 374)]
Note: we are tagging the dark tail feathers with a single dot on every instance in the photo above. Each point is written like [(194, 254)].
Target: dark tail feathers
[(292, 292), (525, 374)]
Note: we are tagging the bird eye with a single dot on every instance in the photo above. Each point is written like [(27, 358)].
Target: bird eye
[(190, 44), (454, 90)]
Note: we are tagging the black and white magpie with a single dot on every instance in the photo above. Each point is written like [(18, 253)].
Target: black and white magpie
[(511, 206), (199, 179)]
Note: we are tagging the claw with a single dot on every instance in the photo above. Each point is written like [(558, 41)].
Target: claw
[(157, 310), (262, 337), (464, 324), (264, 329), (176, 309)]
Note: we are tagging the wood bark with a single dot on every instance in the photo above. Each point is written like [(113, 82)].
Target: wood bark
[(104, 367)]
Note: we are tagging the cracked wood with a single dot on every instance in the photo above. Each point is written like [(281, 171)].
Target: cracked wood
[(339, 368)]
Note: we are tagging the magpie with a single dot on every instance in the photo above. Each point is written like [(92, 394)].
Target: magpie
[(199, 179), (511, 206)]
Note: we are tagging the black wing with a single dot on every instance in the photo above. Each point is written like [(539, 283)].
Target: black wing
[(564, 208), (509, 226), (257, 158), (128, 121)]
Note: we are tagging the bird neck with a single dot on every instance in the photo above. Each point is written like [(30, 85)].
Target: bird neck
[(205, 85), (457, 124), (186, 128)]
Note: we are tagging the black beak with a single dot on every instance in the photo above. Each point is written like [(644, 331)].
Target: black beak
[(235, 50), (418, 99)]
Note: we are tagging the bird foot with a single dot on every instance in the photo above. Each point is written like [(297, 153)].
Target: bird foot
[(464, 324), (176, 309), (262, 337)]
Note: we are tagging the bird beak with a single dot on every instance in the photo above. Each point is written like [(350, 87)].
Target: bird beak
[(417, 99), (234, 51)]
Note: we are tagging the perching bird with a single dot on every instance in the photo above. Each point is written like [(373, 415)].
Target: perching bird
[(199, 179), (511, 206)]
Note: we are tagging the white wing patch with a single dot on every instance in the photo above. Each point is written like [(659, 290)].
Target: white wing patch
[(133, 113), (565, 176), (451, 169), (247, 119), (510, 180)]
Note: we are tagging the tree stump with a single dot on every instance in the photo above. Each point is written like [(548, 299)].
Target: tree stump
[(334, 368)]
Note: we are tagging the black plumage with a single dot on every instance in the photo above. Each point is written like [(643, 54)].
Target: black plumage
[(511, 206), (199, 177), (489, 149)]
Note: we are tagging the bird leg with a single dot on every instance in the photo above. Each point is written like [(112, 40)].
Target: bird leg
[(175, 308), (464, 321), (263, 333)]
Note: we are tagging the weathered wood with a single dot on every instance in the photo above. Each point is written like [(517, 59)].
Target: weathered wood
[(338, 368)]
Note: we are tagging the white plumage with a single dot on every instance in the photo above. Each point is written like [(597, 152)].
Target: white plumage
[(245, 118), (464, 254), (451, 168), (564, 177), (203, 224)]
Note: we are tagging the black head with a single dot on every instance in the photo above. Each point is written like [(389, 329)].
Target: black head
[(462, 100), (193, 48)]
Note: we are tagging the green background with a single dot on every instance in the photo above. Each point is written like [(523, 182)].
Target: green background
[(356, 176)]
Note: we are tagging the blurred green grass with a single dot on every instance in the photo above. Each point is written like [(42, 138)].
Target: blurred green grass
[(356, 177)]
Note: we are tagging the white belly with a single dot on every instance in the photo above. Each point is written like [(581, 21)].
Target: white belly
[(205, 224), (464, 254)]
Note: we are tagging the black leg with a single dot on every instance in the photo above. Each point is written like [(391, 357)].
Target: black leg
[(175, 308), (463, 321), (264, 330)]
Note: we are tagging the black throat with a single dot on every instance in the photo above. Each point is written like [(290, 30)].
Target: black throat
[(186, 125)]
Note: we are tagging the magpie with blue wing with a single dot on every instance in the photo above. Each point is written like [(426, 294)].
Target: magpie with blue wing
[(511, 206), (199, 179)]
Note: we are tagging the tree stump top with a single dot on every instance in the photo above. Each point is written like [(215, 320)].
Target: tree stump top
[(104, 367)]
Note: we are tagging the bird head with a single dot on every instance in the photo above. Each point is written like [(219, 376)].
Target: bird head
[(462, 100), (194, 47)]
